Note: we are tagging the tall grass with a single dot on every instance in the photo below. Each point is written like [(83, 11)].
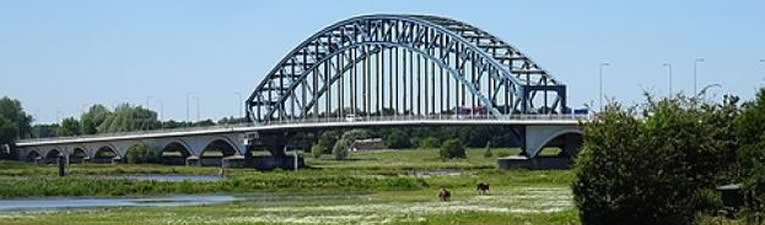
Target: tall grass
[(78, 186)]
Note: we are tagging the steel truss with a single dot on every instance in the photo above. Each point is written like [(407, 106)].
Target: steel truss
[(382, 65)]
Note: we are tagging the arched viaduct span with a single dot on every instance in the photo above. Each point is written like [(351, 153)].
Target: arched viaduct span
[(535, 131), (375, 71)]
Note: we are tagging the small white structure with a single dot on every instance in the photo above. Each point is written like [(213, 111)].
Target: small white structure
[(368, 145)]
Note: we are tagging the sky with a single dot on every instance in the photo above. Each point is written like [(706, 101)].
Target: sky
[(59, 57)]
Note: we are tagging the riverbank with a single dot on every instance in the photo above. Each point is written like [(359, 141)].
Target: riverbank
[(505, 205), (381, 187)]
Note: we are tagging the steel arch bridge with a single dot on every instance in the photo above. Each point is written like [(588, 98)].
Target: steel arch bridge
[(411, 65)]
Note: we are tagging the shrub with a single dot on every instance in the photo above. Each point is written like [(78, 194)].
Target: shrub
[(340, 150), (429, 143), (651, 170), (140, 153), (751, 156), (317, 150), (488, 153), (397, 139), (328, 139), (451, 149)]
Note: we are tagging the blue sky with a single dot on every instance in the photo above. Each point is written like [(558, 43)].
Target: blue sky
[(58, 57)]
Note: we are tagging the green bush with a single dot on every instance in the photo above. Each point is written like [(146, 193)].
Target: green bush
[(429, 143), (451, 149), (649, 169), (340, 150), (141, 153), (328, 139), (751, 157), (317, 151), (487, 153), (397, 139)]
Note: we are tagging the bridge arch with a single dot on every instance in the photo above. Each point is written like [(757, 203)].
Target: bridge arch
[(79, 154), (106, 154), (217, 149), (569, 148), (175, 153), (479, 63), (32, 155), (52, 155)]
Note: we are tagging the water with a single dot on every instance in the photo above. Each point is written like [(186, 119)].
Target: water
[(53, 204), (69, 203)]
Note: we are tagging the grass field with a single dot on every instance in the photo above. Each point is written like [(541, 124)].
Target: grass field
[(381, 187)]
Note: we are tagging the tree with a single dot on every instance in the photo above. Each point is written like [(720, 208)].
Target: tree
[(487, 153), (451, 149), (91, 120), (340, 150), (7, 136), (140, 153), (751, 156), (129, 118), (397, 139), (232, 120), (69, 127), (429, 143), (44, 130), (328, 138), (317, 151), (649, 170), (12, 111)]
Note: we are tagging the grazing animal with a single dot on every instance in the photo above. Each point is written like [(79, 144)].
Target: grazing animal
[(482, 188), (444, 195)]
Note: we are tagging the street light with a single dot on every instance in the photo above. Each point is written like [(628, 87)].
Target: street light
[(84, 107), (669, 70), (196, 98), (188, 117), (600, 78), (238, 103), (161, 106), (695, 83)]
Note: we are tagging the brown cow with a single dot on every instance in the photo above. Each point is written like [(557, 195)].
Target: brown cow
[(444, 194), (482, 188)]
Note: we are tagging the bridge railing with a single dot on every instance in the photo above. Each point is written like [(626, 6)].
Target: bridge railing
[(444, 117)]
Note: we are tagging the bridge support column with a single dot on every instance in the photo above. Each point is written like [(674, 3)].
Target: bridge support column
[(536, 138), (275, 143)]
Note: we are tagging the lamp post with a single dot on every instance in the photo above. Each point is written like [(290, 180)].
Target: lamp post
[(187, 106), (196, 98), (188, 114), (695, 82), (84, 108), (669, 71), (600, 79), (148, 99), (161, 110), (238, 103)]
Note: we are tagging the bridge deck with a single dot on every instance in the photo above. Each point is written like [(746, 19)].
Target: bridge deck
[(372, 121)]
